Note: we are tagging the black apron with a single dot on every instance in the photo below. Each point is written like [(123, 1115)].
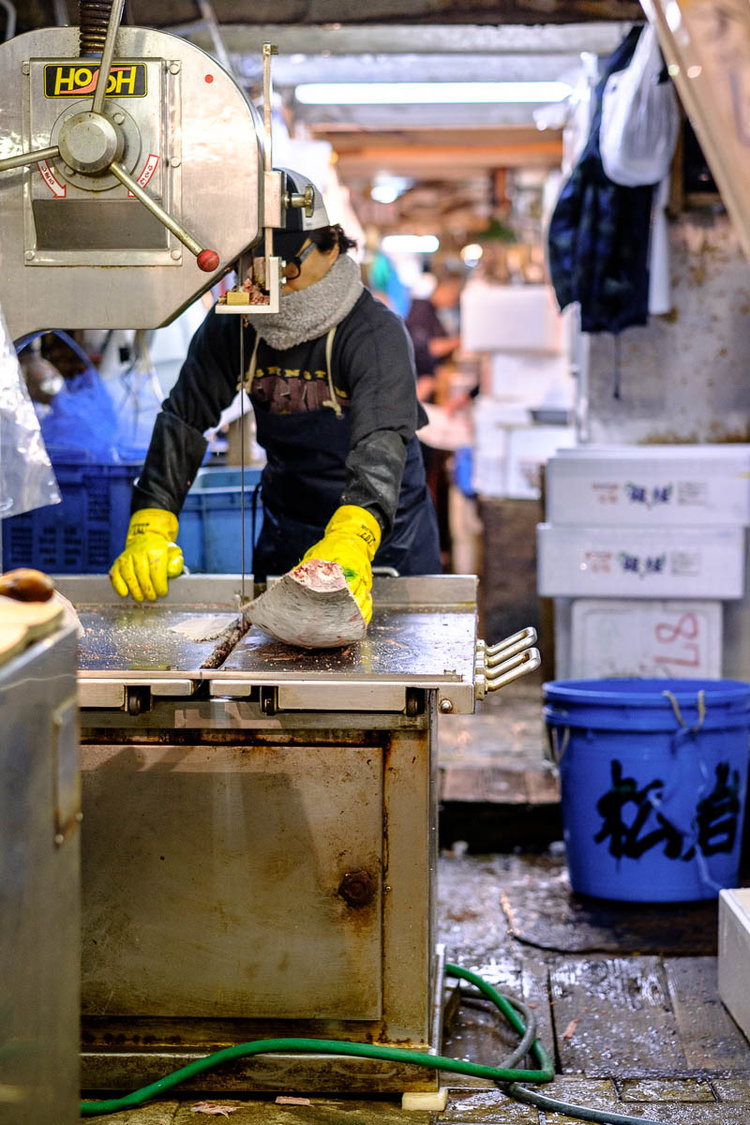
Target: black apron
[(301, 487)]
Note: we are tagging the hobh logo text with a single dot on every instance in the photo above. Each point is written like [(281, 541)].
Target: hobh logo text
[(73, 80)]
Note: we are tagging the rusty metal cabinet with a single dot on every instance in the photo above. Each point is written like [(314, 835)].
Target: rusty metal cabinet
[(39, 885)]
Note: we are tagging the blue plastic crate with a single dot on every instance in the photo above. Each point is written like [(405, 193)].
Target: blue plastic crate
[(211, 521), (81, 535)]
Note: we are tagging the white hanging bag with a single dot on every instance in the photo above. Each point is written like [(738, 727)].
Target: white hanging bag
[(640, 118)]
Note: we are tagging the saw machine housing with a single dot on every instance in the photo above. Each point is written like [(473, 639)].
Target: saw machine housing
[(77, 248)]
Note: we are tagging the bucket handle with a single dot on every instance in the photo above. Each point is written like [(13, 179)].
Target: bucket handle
[(678, 714), (557, 747), (684, 732), (703, 872)]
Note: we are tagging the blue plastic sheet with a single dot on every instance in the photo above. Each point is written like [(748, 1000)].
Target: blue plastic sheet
[(81, 423)]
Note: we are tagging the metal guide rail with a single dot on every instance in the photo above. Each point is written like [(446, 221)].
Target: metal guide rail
[(195, 643)]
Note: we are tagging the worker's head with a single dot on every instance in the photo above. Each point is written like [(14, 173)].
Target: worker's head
[(308, 243)]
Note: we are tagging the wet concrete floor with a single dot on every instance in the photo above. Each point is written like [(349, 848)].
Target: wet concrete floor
[(625, 996), (642, 1035)]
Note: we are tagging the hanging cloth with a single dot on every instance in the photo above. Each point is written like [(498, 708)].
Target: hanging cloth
[(598, 237)]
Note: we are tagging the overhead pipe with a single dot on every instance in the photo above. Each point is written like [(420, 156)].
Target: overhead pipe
[(10, 19), (60, 8), (220, 50)]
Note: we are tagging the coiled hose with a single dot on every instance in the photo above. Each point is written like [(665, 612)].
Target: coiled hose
[(507, 1074)]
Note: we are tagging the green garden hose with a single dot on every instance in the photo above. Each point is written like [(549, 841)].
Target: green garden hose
[(507, 1076)]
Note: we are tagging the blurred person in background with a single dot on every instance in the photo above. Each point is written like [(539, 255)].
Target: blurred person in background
[(432, 345)]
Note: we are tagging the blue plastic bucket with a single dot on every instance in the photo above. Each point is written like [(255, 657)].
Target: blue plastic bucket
[(653, 776)]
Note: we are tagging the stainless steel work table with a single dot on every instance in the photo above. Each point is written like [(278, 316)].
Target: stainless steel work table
[(422, 636)]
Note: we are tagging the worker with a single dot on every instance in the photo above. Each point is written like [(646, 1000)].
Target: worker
[(332, 382)]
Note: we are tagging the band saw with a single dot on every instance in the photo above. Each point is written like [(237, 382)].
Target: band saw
[(258, 840), (259, 835)]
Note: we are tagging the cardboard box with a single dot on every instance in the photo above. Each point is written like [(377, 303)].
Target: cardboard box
[(608, 637), (678, 485), (734, 954), (640, 562)]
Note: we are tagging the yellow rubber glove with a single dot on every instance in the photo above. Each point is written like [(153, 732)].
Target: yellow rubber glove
[(150, 556), (351, 539)]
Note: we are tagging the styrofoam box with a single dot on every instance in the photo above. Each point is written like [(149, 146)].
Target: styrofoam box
[(530, 378), (734, 954), (700, 485), (488, 474), (492, 417), (640, 562), (606, 637), (508, 459), (528, 449), (509, 450), (517, 318)]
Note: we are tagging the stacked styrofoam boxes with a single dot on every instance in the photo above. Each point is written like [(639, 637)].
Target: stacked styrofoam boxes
[(510, 451), (491, 423), (657, 531), (528, 368)]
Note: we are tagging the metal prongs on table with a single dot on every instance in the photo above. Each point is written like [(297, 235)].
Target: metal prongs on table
[(508, 660)]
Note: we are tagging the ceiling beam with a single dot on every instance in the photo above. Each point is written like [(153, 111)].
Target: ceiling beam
[(170, 13), (387, 117), (375, 39), (446, 162), (351, 141)]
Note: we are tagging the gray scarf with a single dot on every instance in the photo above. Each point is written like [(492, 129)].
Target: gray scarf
[(309, 313)]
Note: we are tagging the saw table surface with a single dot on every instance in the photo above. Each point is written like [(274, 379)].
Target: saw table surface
[(421, 633), (400, 644), (142, 638)]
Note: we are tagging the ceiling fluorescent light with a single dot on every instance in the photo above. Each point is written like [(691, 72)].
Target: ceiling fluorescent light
[(471, 253), (410, 244), (384, 193), (429, 93), (387, 188)]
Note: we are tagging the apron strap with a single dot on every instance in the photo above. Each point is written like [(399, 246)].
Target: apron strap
[(246, 379), (333, 402)]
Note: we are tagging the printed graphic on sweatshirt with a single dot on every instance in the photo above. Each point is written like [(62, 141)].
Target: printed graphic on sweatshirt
[(285, 390)]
